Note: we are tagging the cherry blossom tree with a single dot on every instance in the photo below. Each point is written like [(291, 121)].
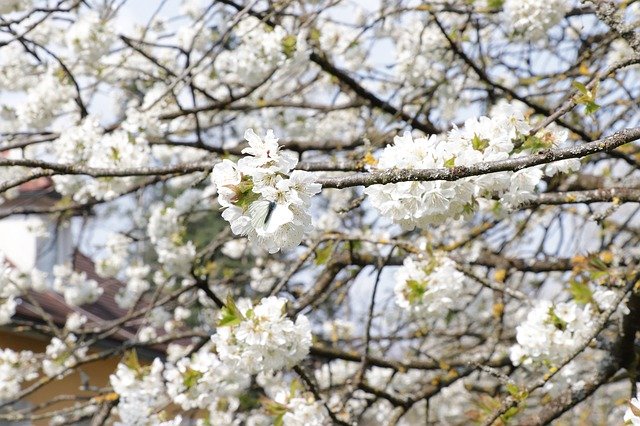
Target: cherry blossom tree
[(316, 212)]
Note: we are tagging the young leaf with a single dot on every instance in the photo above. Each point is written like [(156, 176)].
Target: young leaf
[(289, 45), (323, 254), (230, 314), (581, 292)]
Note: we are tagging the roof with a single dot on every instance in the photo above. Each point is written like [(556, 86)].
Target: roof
[(103, 310), (41, 193), (35, 193)]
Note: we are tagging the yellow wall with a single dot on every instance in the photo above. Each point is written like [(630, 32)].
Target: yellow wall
[(98, 372)]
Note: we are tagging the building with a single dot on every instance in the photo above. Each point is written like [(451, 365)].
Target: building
[(25, 250)]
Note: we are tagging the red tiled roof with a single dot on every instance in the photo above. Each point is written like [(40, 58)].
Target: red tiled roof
[(41, 193), (36, 193), (37, 184), (103, 310)]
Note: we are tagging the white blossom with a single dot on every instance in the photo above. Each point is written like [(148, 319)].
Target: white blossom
[(265, 274), (258, 54), (7, 309), (551, 332), (15, 368), (262, 338), (262, 198), (116, 248), (76, 288), (198, 381), (429, 287), (8, 6), (166, 231), (62, 355), (137, 284), (234, 248), (532, 19), (147, 334), (141, 393), (90, 38), (75, 321), (483, 139), (339, 329), (44, 101), (302, 410)]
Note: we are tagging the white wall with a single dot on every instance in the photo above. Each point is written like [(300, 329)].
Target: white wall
[(18, 242), (29, 242)]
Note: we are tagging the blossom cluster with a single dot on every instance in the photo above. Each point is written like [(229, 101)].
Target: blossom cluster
[(116, 248), (421, 50), (551, 332), (15, 368), (501, 136), (263, 197), (166, 230), (250, 340), (198, 381), (141, 393), (259, 54), (87, 144), (532, 19), (76, 288), (13, 284), (44, 101), (136, 285), (8, 292), (301, 410), (62, 355), (261, 338), (428, 287), (90, 37)]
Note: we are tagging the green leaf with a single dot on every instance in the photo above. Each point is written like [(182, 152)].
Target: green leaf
[(470, 207), (581, 292), (191, 377), (450, 163), (516, 392), (495, 4), (289, 45), (478, 143), (131, 360), (416, 290), (511, 412), (314, 35), (355, 245), (323, 254), (513, 389), (115, 154), (279, 420), (591, 107), (534, 144), (230, 314), (248, 401), (587, 97), (450, 316), (596, 275), (293, 388), (555, 320), (246, 196), (272, 407), (597, 263), (580, 87)]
